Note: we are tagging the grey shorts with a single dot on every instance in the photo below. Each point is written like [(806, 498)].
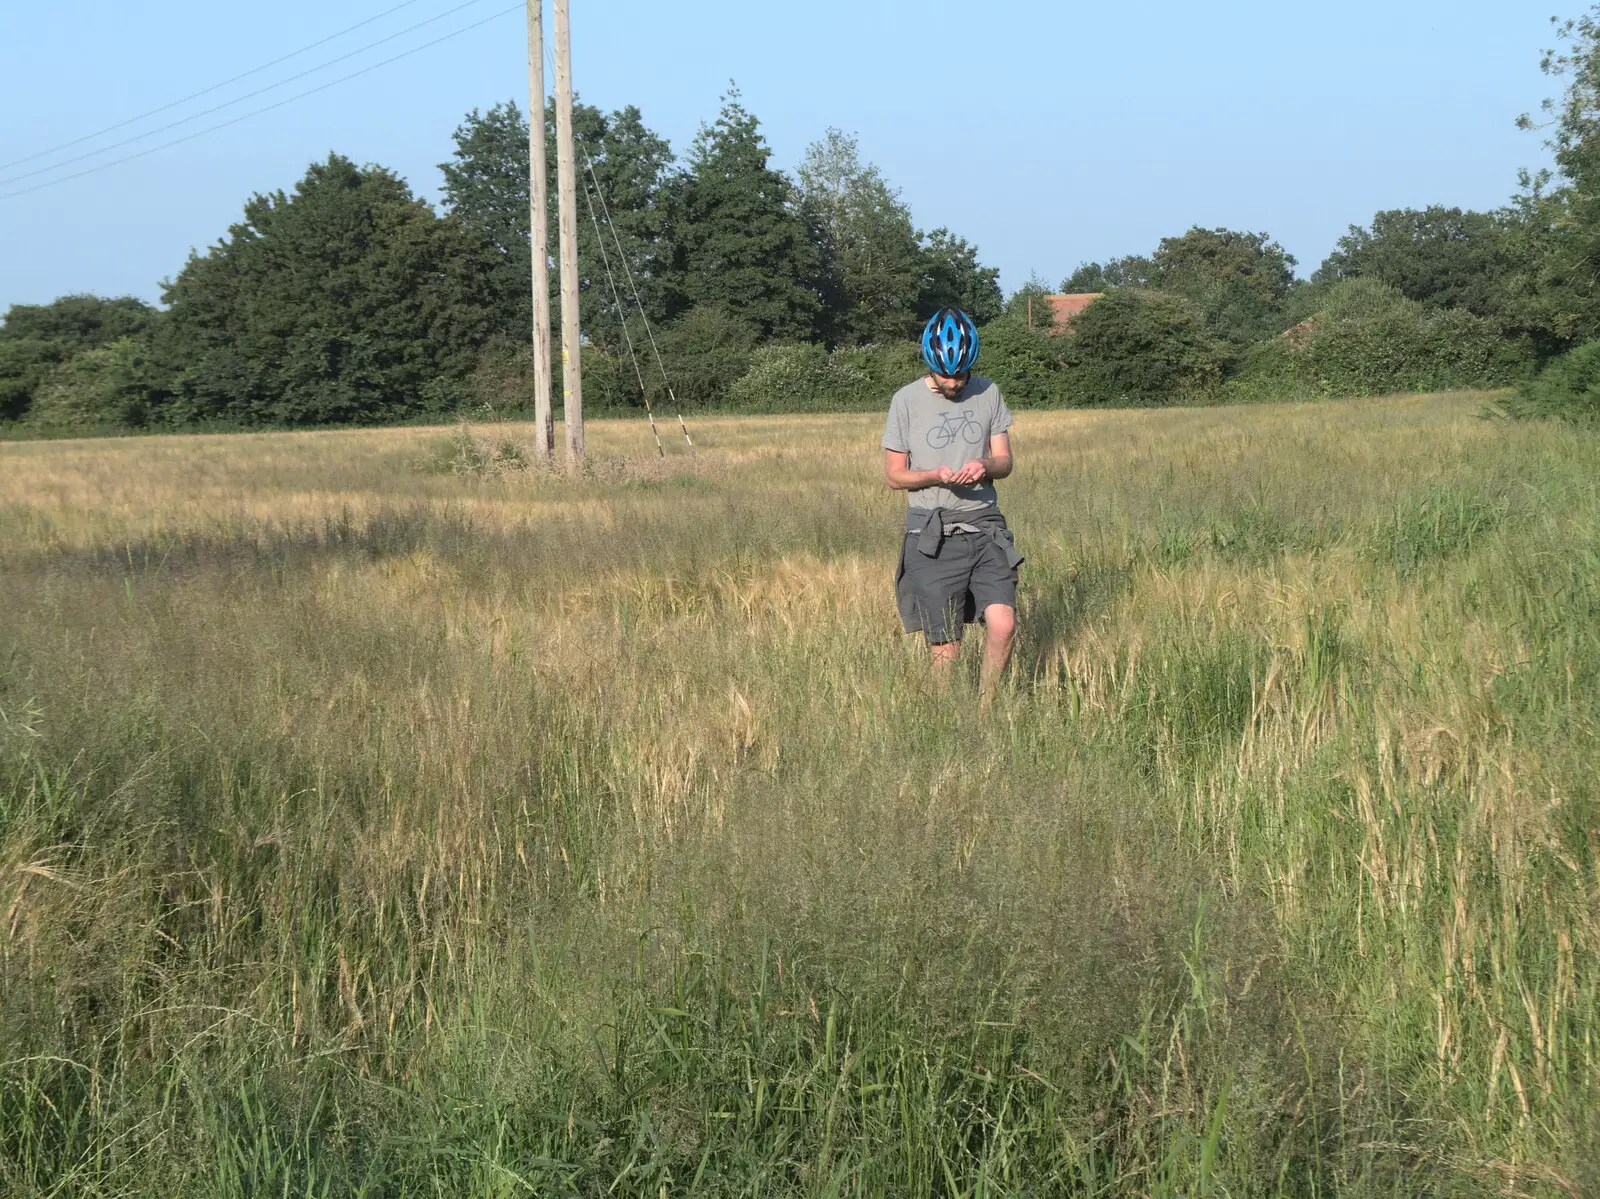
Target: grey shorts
[(939, 595)]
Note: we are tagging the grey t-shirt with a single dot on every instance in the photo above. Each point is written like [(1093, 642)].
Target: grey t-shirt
[(938, 432)]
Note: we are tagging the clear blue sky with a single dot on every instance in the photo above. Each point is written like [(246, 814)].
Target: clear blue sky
[(1047, 131)]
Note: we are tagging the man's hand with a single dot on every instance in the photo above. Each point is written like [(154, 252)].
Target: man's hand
[(899, 475)]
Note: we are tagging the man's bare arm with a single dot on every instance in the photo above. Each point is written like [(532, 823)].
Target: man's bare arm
[(998, 464), (898, 474)]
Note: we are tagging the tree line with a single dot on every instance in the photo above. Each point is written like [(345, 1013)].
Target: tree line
[(349, 300)]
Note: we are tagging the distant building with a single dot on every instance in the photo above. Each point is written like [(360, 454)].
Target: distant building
[(1064, 309)]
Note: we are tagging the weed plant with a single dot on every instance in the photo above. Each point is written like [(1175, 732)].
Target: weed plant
[(366, 830)]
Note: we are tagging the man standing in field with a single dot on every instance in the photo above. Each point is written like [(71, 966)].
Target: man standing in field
[(946, 441)]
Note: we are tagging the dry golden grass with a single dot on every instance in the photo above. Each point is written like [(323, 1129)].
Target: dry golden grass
[(614, 814)]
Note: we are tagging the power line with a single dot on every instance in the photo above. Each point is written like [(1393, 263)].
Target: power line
[(205, 112), (206, 91), (266, 108)]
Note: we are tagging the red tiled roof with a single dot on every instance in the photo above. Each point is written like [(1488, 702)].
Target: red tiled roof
[(1065, 308)]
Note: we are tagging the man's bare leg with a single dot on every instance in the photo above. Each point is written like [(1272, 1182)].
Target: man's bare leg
[(944, 655), (1000, 624)]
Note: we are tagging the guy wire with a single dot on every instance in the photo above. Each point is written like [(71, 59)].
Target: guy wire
[(638, 302), (627, 271), (622, 315)]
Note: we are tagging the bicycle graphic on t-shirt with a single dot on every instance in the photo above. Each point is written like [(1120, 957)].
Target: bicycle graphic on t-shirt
[(963, 422)]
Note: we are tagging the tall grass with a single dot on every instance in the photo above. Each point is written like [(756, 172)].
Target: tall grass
[(367, 829)]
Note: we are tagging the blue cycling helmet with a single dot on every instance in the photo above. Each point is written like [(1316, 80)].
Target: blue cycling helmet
[(950, 342)]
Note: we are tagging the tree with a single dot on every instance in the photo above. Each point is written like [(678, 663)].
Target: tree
[(1204, 260), (738, 240), (872, 255), (486, 190), (952, 276), (1134, 270), (1442, 257), (1237, 281), (348, 300), (1538, 303), (1030, 304), (78, 322), (1567, 219), (627, 168), (1567, 389)]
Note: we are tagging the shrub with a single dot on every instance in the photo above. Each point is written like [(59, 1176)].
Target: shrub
[(108, 387), (887, 367), (463, 454), (1568, 389), (609, 381), (1404, 349), (706, 351), (25, 363), (1272, 370), (799, 378), (805, 377), (501, 384), (1141, 347), (1026, 363), (1362, 299), (1368, 339), (702, 352)]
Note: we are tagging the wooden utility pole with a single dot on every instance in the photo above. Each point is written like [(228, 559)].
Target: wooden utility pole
[(539, 234), (567, 202)]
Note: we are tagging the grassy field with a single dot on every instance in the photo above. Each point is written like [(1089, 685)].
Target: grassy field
[(368, 829)]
